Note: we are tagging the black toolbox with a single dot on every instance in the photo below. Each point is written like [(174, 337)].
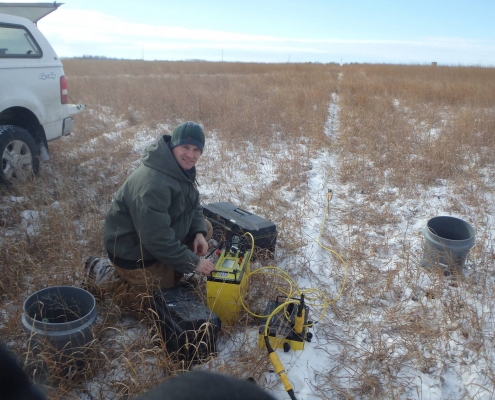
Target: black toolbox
[(188, 327), (231, 220)]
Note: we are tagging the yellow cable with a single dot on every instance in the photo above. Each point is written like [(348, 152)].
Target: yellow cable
[(329, 197), (294, 290), (252, 246), (285, 277), (280, 370)]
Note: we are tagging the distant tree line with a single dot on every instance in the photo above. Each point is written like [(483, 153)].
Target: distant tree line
[(91, 57)]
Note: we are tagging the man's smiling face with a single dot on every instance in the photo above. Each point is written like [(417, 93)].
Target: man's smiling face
[(186, 155)]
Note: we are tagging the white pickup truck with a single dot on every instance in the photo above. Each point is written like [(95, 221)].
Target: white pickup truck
[(34, 105)]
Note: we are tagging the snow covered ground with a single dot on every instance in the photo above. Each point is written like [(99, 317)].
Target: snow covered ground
[(397, 343), (390, 328)]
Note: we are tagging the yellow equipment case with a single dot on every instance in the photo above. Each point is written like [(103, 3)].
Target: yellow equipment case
[(227, 285)]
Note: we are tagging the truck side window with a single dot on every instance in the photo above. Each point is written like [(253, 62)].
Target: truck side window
[(17, 42)]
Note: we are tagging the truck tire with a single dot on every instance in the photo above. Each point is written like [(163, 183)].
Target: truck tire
[(19, 154)]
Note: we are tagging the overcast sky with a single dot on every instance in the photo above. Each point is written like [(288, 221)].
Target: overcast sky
[(450, 32)]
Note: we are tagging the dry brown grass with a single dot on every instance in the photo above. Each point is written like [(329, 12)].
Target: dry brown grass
[(402, 132)]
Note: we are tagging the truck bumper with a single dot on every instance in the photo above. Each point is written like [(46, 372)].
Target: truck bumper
[(69, 122), (67, 126), (76, 108)]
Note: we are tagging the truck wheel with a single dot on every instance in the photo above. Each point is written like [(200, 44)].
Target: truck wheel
[(19, 153)]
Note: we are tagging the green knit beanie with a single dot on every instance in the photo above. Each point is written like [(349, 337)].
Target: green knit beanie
[(188, 133)]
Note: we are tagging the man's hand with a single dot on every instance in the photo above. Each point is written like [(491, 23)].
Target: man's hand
[(200, 246), (204, 267)]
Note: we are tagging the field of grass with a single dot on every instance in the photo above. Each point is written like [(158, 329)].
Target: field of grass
[(397, 145)]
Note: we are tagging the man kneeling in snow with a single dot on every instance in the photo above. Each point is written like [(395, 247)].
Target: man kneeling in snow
[(155, 231)]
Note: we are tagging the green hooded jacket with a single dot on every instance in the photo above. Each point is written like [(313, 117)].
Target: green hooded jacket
[(155, 209)]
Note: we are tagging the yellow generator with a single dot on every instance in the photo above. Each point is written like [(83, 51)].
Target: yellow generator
[(228, 283)]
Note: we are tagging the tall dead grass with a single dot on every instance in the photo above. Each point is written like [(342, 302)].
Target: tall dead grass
[(400, 131), (426, 122)]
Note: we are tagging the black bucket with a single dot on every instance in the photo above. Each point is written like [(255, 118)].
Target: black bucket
[(447, 243), (59, 321)]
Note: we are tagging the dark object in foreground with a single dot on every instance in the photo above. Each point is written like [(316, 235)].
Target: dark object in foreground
[(15, 385), (234, 221), (14, 382), (188, 327), (202, 385)]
